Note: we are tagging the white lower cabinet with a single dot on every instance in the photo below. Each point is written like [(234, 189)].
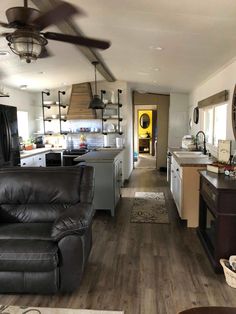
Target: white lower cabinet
[(185, 191), (176, 185), (40, 160), (27, 162), (34, 161)]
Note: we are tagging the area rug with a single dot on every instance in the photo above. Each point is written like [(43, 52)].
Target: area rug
[(48, 310), (149, 207)]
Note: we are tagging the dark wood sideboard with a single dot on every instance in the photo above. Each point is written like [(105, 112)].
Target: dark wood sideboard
[(217, 216)]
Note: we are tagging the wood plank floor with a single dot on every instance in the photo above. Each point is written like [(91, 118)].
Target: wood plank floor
[(142, 268)]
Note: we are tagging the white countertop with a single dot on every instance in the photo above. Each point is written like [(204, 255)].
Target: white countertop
[(100, 156), (36, 151)]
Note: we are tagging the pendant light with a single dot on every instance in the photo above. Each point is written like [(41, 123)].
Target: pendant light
[(96, 102)]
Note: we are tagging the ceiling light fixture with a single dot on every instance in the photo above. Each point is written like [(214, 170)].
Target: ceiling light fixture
[(23, 86), (27, 44), (96, 102), (143, 73), (156, 48), (4, 53)]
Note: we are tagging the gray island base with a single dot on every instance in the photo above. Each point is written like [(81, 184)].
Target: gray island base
[(108, 177)]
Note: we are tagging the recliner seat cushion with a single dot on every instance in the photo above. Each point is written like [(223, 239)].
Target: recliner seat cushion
[(28, 255), (26, 231)]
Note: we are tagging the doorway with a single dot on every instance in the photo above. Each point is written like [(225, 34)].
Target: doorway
[(145, 137), (159, 105)]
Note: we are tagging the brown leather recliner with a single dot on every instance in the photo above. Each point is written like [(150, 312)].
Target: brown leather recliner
[(45, 228)]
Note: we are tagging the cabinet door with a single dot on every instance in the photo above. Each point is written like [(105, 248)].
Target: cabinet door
[(172, 179), (178, 195), (121, 173), (40, 160), (27, 162), (117, 181), (176, 189)]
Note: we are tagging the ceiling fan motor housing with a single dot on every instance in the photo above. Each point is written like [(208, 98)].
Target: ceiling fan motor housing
[(21, 16)]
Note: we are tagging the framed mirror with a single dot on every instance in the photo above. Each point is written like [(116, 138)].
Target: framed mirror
[(144, 121), (196, 115), (234, 112)]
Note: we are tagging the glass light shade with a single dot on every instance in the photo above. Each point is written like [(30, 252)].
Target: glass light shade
[(24, 45), (96, 103), (27, 45)]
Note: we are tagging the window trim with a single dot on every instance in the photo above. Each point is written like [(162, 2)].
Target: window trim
[(209, 145)]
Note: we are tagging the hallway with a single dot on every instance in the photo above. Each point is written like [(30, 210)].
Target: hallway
[(145, 161), (142, 268)]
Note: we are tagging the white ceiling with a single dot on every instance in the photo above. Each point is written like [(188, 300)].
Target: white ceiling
[(197, 38)]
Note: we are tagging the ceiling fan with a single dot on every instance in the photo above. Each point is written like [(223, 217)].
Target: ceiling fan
[(28, 41)]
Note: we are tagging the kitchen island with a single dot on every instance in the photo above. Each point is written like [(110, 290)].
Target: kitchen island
[(108, 177)]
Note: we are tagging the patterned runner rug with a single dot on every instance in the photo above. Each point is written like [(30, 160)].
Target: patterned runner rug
[(48, 310), (149, 207)]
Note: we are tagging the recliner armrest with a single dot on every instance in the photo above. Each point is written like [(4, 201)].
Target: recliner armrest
[(75, 220)]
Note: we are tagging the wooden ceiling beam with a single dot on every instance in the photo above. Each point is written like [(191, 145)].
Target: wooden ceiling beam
[(69, 27)]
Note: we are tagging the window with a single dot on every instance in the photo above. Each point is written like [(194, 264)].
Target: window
[(214, 123), (23, 124)]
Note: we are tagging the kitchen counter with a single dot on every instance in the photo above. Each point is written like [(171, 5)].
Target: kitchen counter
[(36, 151), (100, 155), (190, 162)]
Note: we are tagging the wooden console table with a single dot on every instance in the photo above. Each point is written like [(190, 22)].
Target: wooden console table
[(210, 310), (217, 216), (144, 145)]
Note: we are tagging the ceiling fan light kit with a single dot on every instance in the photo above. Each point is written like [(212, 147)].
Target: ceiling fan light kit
[(26, 44), (96, 102)]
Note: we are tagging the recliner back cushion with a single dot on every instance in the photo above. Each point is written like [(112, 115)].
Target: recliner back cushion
[(13, 213), (54, 185)]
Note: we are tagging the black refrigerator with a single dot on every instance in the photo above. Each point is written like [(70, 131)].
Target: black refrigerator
[(9, 140)]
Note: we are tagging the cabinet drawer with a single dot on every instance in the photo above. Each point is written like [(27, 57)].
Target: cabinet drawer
[(208, 192), (177, 168), (27, 162)]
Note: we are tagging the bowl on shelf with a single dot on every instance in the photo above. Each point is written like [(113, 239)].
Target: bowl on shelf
[(143, 135), (110, 127), (54, 116)]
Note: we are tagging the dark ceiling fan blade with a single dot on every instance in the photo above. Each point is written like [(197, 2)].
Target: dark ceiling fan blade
[(4, 34), (4, 25), (45, 53), (59, 13), (78, 40)]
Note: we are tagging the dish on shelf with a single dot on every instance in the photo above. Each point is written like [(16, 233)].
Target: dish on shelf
[(54, 116), (114, 116), (50, 102), (110, 128), (95, 130)]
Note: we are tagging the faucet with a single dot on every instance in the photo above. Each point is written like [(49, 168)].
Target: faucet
[(204, 141)]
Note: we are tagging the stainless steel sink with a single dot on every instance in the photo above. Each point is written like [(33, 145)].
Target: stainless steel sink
[(185, 154)]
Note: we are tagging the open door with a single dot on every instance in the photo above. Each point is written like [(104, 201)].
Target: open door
[(154, 132)]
